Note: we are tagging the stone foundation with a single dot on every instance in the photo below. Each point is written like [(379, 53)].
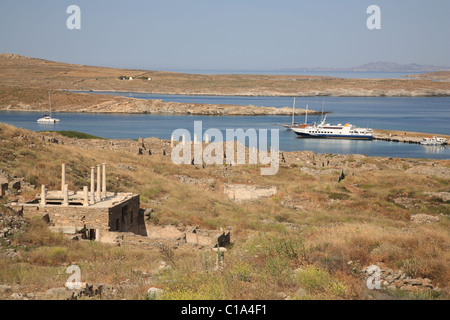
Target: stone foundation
[(122, 216)]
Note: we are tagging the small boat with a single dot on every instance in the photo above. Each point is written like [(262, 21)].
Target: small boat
[(48, 118), (432, 141)]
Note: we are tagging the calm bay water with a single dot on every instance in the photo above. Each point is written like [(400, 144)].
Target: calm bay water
[(431, 115)]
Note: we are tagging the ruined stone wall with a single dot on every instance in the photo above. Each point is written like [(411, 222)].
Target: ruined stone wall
[(73, 218), (126, 217)]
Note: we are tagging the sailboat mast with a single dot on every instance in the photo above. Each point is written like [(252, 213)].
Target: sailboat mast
[(293, 112), (323, 102), (306, 115), (50, 104)]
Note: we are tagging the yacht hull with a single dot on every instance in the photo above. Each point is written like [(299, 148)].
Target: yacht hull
[(328, 136)]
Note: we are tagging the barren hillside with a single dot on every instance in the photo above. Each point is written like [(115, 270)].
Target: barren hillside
[(29, 72)]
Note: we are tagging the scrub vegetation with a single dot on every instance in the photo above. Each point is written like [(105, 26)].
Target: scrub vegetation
[(314, 249)]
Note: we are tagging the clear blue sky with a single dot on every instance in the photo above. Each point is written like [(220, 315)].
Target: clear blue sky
[(227, 34)]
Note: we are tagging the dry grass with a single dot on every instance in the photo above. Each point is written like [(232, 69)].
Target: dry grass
[(355, 220)]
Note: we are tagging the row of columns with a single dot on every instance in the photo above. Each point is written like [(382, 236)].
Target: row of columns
[(88, 198), (99, 194)]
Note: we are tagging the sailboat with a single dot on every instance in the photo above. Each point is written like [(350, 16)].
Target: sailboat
[(297, 125), (48, 118)]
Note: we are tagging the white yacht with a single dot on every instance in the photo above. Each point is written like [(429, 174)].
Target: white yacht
[(48, 118), (326, 130), (432, 141)]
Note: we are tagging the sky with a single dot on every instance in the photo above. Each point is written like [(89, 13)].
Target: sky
[(227, 34)]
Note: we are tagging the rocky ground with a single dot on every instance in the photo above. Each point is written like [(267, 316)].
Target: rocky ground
[(406, 137), (310, 162), (348, 212), (32, 99), (435, 76)]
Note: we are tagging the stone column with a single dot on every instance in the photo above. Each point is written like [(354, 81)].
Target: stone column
[(171, 141), (63, 177), (183, 141), (195, 138), (98, 195), (43, 196), (206, 138), (66, 195), (220, 257), (104, 181), (85, 197), (92, 185)]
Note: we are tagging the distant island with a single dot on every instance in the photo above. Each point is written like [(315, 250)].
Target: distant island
[(380, 66), (25, 82)]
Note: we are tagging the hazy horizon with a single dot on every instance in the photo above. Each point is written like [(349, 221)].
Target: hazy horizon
[(234, 35)]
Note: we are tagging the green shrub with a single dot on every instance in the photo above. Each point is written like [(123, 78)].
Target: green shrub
[(337, 289), (313, 279), (58, 254), (75, 134), (242, 271), (278, 270)]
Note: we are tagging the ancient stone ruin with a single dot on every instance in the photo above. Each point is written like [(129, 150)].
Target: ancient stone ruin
[(116, 218), (92, 214)]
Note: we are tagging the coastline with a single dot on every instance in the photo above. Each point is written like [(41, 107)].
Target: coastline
[(33, 99), (405, 136), (336, 93), (157, 146), (25, 72)]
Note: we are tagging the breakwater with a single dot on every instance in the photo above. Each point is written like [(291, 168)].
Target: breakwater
[(405, 137)]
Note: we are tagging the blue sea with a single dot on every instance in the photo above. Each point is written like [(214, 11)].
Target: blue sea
[(418, 114)]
